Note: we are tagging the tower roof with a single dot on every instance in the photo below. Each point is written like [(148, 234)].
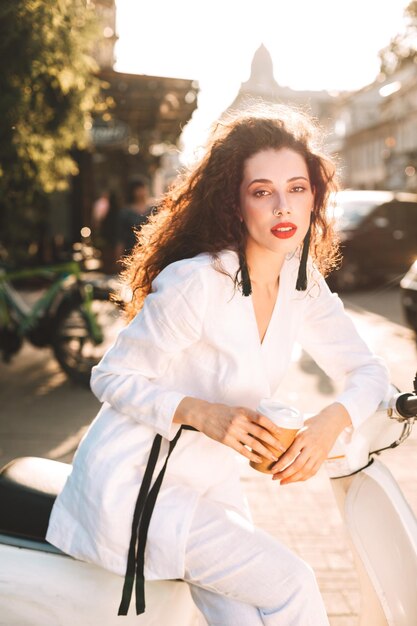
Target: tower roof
[(261, 80), (262, 69), (262, 87)]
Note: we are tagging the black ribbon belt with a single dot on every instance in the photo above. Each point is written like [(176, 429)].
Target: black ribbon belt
[(141, 519)]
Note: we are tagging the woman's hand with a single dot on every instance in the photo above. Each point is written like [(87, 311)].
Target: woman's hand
[(236, 427), (311, 445)]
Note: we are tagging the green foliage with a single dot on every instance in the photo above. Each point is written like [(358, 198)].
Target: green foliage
[(47, 92), (403, 47)]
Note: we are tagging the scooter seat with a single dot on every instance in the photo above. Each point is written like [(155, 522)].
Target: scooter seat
[(28, 488)]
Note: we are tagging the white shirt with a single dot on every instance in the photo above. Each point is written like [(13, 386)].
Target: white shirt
[(196, 335)]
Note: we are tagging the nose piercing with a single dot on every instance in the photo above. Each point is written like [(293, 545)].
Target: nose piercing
[(274, 212)]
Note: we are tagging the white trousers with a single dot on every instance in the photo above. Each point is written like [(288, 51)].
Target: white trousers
[(241, 576)]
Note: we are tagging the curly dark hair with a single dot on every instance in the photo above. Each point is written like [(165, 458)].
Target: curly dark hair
[(199, 213)]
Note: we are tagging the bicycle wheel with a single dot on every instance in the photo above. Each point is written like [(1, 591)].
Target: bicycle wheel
[(73, 345)]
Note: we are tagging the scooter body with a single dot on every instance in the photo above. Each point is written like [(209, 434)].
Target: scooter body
[(380, 523), (42, 586), (39, 587)]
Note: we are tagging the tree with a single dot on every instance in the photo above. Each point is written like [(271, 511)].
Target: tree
[(48, 90), (403, 47)]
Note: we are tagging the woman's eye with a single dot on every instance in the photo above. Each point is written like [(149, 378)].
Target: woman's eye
[(298, 188), (261, 192)]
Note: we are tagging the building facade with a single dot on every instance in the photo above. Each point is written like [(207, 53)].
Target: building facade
[(371, 132), (134, 133), (375, 133)]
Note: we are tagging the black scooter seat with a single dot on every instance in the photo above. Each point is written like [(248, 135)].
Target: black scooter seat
[(28, 488)]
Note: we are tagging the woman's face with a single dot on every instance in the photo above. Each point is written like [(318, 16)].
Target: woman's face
[(274, 181)]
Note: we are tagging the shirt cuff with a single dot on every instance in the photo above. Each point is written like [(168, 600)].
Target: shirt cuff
[(164, 409), (351, 407)]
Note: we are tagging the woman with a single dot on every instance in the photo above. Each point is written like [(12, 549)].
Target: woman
[(221, 291)]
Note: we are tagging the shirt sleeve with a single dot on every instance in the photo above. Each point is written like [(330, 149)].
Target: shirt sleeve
[(330, 337), (170, 320)]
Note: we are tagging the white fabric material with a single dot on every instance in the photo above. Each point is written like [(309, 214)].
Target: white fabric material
[(195, 336), (250, 577)]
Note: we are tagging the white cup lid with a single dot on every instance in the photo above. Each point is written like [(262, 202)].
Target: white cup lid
[(281, 414)]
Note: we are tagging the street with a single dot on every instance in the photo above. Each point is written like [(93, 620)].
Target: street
[(43, 414)]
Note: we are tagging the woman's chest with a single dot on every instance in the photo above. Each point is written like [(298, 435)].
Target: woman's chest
[(231, 353)]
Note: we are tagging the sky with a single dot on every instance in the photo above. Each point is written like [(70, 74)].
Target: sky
[(314, 44)]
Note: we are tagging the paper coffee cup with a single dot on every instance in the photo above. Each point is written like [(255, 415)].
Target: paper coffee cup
[(288, 419)]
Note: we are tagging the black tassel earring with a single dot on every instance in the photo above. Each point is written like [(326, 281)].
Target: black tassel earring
[(245, 278), (302, 272)]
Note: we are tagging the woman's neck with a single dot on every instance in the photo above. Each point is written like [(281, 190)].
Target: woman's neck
[(264, 266)]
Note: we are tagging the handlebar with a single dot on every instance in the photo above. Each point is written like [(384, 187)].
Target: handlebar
[(406, 405)]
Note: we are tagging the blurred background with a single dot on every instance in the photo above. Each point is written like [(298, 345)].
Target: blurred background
[(97, 94), (103, 102)]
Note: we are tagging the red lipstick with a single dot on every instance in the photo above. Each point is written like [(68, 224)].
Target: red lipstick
[(284, 230)]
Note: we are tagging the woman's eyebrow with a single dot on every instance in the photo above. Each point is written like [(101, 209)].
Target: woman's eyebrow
[(296, 178), (266, 180), (259, 180)]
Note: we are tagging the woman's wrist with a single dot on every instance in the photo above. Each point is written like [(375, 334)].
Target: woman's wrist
[(337, 416), (190, 412)]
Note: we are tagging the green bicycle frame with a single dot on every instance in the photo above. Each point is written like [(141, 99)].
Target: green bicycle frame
[(28, 317), (95, 330)]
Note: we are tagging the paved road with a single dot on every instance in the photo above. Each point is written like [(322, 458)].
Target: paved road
[(43, 414)]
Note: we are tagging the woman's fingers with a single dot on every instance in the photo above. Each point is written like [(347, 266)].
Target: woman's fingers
[(260, 427), (302, 467), (296, 466), (309, 469), (237, 444), (241, 428), (267, 426), (289, 456), (257, 446), (307, 453), (265, 435), (255, 437), (250, 448), (248, 453), (256, 452)]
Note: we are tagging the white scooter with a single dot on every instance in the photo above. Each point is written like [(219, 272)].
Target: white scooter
[(42, 586), (380, 523)]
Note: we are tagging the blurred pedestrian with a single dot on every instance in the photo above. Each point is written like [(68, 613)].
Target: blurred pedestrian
[(132, 217), (100, 209), (230, 277)]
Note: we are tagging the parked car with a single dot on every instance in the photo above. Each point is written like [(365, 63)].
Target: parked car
[(378, 232), (408, 289)]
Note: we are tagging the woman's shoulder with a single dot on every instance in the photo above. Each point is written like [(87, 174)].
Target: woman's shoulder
[(193, 282), (192, 270)]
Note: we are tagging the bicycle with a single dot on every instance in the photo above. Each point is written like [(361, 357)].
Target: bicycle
[(73, 315)]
